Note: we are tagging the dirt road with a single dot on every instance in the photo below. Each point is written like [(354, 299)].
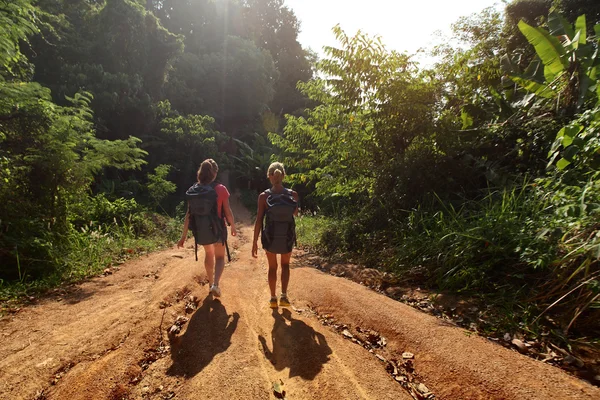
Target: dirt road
[(107, 339)]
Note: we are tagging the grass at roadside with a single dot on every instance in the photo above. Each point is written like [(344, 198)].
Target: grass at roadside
[(94, 249), (527, 257), (310, 229)]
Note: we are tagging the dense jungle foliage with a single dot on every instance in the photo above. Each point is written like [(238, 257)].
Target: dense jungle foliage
[(107, 109), (479, 174)]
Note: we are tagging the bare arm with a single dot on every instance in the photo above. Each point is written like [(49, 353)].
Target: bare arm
[(297, 198), (229, 216), (260, 213), (186, 224)]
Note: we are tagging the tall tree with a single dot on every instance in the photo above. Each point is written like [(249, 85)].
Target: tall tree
[(49, 155), (274, 27), (116, 50)]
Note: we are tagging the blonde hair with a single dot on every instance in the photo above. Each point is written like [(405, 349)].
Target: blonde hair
[(277, 170), (207, 171)]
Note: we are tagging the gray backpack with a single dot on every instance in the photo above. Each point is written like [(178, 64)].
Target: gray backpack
[(205, 223), (279, 231)]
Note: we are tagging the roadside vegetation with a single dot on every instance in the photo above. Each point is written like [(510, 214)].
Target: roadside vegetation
[(477, 177)]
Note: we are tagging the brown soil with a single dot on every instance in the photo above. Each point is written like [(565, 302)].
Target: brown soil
[(108, 339)]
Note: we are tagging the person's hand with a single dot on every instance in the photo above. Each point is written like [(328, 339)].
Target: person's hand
[(255, 250), (180, 243), (233, 231)]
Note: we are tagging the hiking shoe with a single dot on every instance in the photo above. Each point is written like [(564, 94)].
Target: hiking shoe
[(284, 302), (215, 291), (273, 302)]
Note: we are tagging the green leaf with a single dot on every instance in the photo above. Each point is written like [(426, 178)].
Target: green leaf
[(584, 86), (278, 390), (508, 65), (568, 133), (553, 156), (467, 120), (570, 152), (558, 25), (575, 42), (547, 47), (581, 28), (562, 164), (539, 89)]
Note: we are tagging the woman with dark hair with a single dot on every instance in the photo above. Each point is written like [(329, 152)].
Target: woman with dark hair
[(214, 252)]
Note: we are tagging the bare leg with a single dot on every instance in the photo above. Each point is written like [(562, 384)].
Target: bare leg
[(272, 259), (219, 261), (209, 262), (285, 271)]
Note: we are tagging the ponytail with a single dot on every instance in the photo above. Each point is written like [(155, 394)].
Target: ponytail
[(207, 171), (276, 170)]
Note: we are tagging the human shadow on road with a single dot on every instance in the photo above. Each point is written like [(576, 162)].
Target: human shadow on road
[(296, 346), (208, 333)]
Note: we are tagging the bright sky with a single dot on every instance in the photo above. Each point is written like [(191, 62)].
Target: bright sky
[(403, 25)]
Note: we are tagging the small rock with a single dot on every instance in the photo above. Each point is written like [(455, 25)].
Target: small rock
[(574, 361), (507, 337), (520, 346), (189, 308), (45, 363), (347, 334), (408, 356), (107, 271), (381, 358), (423, 389), (393, 291)]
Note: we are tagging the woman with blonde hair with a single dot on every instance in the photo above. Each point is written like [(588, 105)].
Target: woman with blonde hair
[(277, 206), (208, 206)]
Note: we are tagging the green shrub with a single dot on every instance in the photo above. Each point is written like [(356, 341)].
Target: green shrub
[(310, 231), (92, 248), (534, 245), (249, 200)]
